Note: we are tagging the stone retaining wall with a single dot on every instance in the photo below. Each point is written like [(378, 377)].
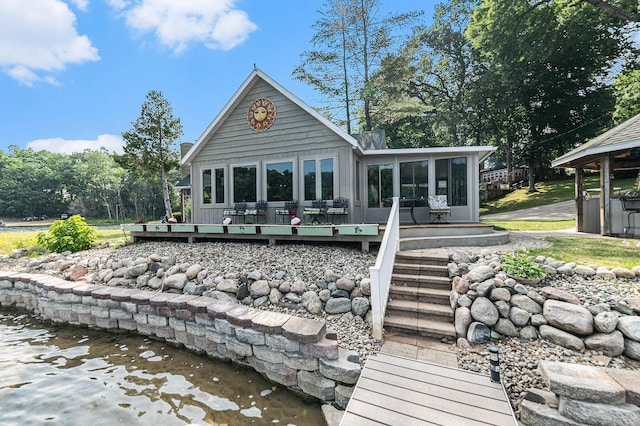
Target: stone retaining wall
[(295, 352), (581, 394)]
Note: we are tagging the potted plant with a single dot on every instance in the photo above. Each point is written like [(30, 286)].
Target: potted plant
[(521, 268)]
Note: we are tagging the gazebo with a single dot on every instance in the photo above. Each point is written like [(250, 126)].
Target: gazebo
[(615, 149)]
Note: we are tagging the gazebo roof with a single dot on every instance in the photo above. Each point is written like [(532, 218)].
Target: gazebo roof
[(622, 143)]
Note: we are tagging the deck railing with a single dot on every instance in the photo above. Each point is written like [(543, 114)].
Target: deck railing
[(381, 272)]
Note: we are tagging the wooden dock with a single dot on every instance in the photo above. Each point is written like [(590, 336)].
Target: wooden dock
[(394, 390)]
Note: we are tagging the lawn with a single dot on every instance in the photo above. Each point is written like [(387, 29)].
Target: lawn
[(607, 252), (531, 225), (10, 241)]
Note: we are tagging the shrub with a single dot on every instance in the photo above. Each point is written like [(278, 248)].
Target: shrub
[(71, 235), (518, 264)]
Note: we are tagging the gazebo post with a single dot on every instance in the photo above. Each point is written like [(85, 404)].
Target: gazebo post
[(579, 190), (605, 195)]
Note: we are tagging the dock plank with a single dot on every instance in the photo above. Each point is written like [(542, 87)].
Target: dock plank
[(395, 390)]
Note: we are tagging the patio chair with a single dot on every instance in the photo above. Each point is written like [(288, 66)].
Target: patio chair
[(438, 207), (340, 208), (238, 210), (260, 211), (318, 209), (290, 209)]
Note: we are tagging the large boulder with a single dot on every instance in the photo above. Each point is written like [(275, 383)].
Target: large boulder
[(568, 317), (480, 273), (605, 322), (505, 327), (525, 302), (462, 321), (484, 311), (630, 327), (177, 281), (611, 344), (478, 333), (338, 305), (562, 338)]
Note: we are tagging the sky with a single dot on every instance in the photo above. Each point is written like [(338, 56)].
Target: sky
[(75, 73)]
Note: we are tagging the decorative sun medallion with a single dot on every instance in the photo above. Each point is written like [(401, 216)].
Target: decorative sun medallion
[(262, 114)]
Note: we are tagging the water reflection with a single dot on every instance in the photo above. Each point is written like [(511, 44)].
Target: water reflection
[(71, 376)]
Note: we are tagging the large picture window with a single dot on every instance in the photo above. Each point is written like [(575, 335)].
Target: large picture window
[(244, 183), (414, 180), (380, 184), (318, 179), (280, 181)]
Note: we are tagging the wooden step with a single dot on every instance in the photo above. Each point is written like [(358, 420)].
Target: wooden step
[(420, 309), (407, 324), (418, 269), (427, 295), (423, 257), (422, 281)]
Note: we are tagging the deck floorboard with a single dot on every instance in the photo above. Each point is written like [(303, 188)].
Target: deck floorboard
[(395, 390)]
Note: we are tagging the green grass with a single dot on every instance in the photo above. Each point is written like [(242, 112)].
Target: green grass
[(608, 252), (10, 241), (530, 225), (548, 193)]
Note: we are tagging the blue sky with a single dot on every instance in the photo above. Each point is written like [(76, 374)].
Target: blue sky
[(74, 73)]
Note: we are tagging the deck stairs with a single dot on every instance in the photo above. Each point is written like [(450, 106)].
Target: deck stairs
[(419, 295)]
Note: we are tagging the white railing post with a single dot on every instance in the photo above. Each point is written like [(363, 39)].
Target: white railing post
[(380, 273)]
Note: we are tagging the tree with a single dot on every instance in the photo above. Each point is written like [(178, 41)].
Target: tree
[(550, 65), (627, 92), (626, 10), (350, 43), (149, 148)]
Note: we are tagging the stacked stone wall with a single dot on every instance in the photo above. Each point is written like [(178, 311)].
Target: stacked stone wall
[(298, 353)]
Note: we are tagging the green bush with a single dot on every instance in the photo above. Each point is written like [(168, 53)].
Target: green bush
[(518, 264), (71, 235)]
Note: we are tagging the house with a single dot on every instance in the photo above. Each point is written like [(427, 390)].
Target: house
[(267, 144)]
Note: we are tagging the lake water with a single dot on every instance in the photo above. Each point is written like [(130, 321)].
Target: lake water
[(55, 375)]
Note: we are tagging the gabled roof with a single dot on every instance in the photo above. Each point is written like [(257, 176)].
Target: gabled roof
[(239, 96), (623, 137)]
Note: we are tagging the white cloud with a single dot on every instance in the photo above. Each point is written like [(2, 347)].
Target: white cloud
[(38, 38), (217, 24), (69, 146), (82, 5)]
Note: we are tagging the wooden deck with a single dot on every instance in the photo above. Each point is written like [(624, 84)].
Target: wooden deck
[(393, 390)]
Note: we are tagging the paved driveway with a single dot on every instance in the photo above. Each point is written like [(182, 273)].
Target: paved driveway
[(565, 210)]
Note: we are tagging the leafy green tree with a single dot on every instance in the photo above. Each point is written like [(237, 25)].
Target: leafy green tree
[(549, 64), (349, 44), (627, 92), (149, 151)]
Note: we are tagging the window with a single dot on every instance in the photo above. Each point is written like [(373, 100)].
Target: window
[(318, 179), (414, 180), (219, 178), (280, 181), (206, 187), (451, 178), (380, 184), (244, 183)]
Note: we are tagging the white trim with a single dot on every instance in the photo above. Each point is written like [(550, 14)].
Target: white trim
[(581, 153)]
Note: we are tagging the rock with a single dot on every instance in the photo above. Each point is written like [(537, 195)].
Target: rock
[(464, 301), (275, 296), (193, 271), (610, 344), (259, 288), (77, 272), (605, 273), (521, 288), (622, 307), (561, 338), (330, 276), (597, 308), (634, 304), (311, 302), (284, 287), (292, 298), (519, 316), (623, 273), (228, 286), (462, 343), (462, 321), (365, 286), (630, 327), (584, 270), (298, 287), (194, 288), (632, 349), (505, 327), (480, 273), (155, 283), (338, 305), (360, 306), (581, 382), (605, 322), (501, 293), (557, 294), (568, 317), (478, 333), (345, 284), (460, 285), (525, 302), (484, 311), (340, 293), (324, 295), (538, 298), (538, 320), (484, 288), (136, 270), (460, 256), (599, 413), (177, 281), (243, 291), (528, 333), (566, 270)]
